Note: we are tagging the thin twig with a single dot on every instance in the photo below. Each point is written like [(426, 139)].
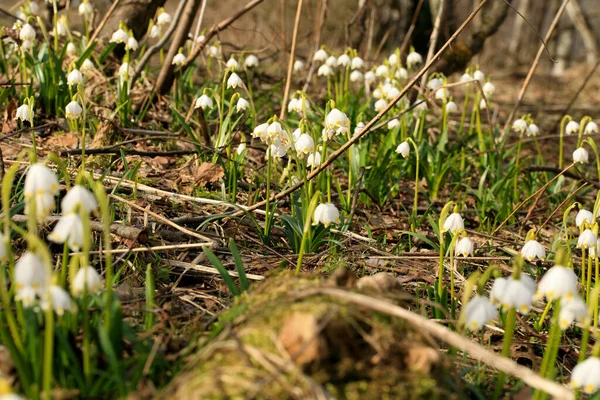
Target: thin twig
[(288, 82), (209, 270), (411, 28), (433, 42), (110, 11)]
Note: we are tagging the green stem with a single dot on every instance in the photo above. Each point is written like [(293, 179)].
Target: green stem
[(508, 336)]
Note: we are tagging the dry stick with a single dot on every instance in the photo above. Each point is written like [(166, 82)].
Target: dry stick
[(158, 45), (145, 249), (560, 206), (288, 82), (371, 123), (433, 42), (533, 68), (165, 221), (199, 24), (320, 22), (542, 189), (210, 270), (283, 31), (110, 11), (413, 24)]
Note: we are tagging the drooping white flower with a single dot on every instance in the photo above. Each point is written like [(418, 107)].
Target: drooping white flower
[(163, 19), (479, 75), (489, 89), (325, 70), (572, 127), (587, 240), (518, 294), (478, 312), (590, 127), (584, 217), (401, 73), (234, 81), (240, 149), (336, 121), (242, 104), (68, 229), (74, 78), (435, 83), (57, 299), (86, 8), (466, 78), (24, 113), (304, 145), (442, 94), (154, 31), (421, 106), (357, 63), (498, 290), (30, 271), (71, 50), (344, 60), (359, 127), (403, 149), (232, 63), (275, 131), (483, 104), (78, 196), (320, 55), (214, 51), (87, 278), (27, 32), (586, 375), (380, 105), (179, 60), (451, 107), (453, 223), (520, 126), (393, 59), (119, 36), (40, 180), (203, 102), (377, 93), (533, 130), (370, 76), (464, 247), (573, 310), (73, 110), (132, 44), (382, 71), (331, 62), (298, 65), (251, 61), (87, 65), (326, 214), (581, 155), (61, 27), (413, 59), (293, 104), (44, 206), (394, 123), (26, 295), (313, 159), (356, 76), (260, 131), (532, 250), (558, 283)]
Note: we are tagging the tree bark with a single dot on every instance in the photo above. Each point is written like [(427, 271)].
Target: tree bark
[(516, 39), (564, 46), (590, 41)]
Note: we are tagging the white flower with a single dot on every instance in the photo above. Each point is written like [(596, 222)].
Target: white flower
[(232, 63), (359, 127), (464, 247), (163, 19), (87, 65), (413, 59), (87, 278), (401, 73), (304, 145), (57, 299), (478, 312), (40, 180), (132, 44), (298, 65), (68, 229), (377, 93), (27, 32), (125, 71), (78, 196), (320, 55), (344, 60), (240, 149), (380, 105), (489, 89), (587, 240), (451, 107), (73, 110), (518, 294), (296, 134), (275, 131), (357, 63), (466, 78), (3, 248), (30, 271), (119, 36), (573, 310), (498, 290), (356, 76), (591, 127), (435, 83), (370, 76), (533, 130), (234, 81), (393, 59), (324, 70), (179, 60), (154, 31), (74, 78), (313, 159), (242, 104), (586, 375), (581, 155), (24, 113), (520, 126), (403, 149), (584, 217), (421, 105), (85, 8), (382, 71), (260, 131), (251, 61), (483, 104), (558, 283), (326, 213), (26, 295), (393, 123), (203, 102), (293, 104), (71, 50), (441, 94), (572, 127), (331, 62), (44, 205), (453, 223), (478, 75), (61, 27), (214, 51), (336, 121), (532, 250)]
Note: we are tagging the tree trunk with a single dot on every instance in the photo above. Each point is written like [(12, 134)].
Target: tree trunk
[(564, 47), (578, 17), (136, 14), (513, 47)]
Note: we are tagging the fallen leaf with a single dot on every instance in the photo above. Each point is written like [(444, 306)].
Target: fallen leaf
[(209, 173), (300, 337), (9, 124)]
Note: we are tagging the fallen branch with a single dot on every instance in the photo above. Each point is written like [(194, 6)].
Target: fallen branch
[(472, 349), (209, 270)]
